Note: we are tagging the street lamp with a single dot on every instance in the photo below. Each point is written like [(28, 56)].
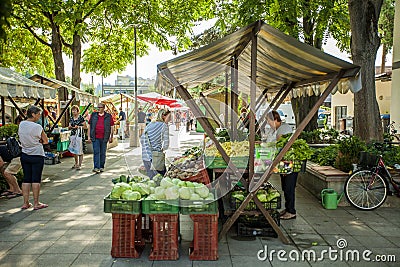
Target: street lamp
[(135, 142)]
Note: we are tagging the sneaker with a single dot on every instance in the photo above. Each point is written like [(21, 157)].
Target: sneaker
[(101, 170), (96, 170), (288, 216), (78, 168), (282, 212)]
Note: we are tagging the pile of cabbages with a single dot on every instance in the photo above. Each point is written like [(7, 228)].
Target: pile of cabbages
[(166, 189)]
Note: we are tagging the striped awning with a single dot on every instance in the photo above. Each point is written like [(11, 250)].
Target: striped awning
[(14, 84), (281, 60), (56, 84)]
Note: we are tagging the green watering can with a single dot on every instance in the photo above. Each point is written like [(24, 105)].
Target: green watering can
[(330, 198)]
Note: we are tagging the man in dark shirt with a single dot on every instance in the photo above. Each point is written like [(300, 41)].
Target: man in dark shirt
[(122, 121), (10, 166), (141, 121)]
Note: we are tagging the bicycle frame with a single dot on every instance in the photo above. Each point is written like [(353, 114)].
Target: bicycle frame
[(384, 172)]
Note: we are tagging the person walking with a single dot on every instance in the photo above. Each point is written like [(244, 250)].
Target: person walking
[(77, 124), (141, 121), (155, 138), (288, 181), (122, 123), (32, 138), (9, 167), (177, 120), (100, 131)]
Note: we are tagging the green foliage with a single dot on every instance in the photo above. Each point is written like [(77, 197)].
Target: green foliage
[(386, 23), (320, 136), (390, 153), (8, 130), (349, 149), (298, 151), (325, 156), (5, 12)]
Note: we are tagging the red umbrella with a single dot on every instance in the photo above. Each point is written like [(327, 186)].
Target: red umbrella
[(158, 100)]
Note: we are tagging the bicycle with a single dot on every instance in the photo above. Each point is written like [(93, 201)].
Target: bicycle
[(367, 189)]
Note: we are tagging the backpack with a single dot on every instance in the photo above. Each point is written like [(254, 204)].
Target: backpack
[(14, 147)]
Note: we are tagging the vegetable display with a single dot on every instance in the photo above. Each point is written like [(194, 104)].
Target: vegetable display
[(233, 149)]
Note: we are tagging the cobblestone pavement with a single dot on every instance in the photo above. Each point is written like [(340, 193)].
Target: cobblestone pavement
[(74, 230)]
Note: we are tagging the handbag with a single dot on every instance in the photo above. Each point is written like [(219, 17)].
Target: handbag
[(75, 144), (158, 157)]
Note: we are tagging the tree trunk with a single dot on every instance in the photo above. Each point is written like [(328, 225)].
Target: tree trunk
[(301, 106), (364, 15), (76, 63), (56, 48)]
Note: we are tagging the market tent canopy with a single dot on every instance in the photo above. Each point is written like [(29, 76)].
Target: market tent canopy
[(79, 94), (157, 99), (281, 60), (116, 97), (14, 84)]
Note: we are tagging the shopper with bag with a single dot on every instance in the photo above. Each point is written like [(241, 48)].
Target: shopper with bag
[(100, 131), (77, 124), (155, 141)]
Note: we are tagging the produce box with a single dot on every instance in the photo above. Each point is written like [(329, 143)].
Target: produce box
[(257, 225), (200, 177), (62, 146), (160, 206), (289, 166), (121, 206), (268, 190), (219, 162), (198, 206)]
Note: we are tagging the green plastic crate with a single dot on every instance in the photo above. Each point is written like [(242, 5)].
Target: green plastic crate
[(199, 206), (121, 206), (219, 162), (160, 206), (62, 146)]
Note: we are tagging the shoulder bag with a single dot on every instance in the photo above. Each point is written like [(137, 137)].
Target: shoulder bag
[(158, 157)]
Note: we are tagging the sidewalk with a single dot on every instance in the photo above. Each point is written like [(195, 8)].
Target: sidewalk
[(74, 230)]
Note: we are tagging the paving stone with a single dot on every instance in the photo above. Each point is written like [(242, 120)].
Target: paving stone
[(98, 247), (54, 260), (223, 260), (99, 260), (29, 247), (236, 246), (46, 235), (62, 246), (373, 241), (15, 235), (241, 261), (84, 235), (5, 246), (11, 260)]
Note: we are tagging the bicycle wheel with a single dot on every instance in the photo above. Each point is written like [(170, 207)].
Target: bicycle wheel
[(366, 190)]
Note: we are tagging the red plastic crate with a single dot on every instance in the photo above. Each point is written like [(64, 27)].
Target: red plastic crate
[(147, 229), (127, 239), (205, 237), (165, 237), (201, 177)]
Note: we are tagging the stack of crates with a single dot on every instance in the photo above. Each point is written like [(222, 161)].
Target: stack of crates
[(164, 218), (127, 239), (205, 237), (165, 237)]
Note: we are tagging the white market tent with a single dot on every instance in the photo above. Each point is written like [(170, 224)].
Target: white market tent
[(14, 85)]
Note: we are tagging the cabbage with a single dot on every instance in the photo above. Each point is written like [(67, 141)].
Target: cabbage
[(195, 196), (202, 191), (166, 182), (151, 183), (210, 196), (159, 193), (176, 181), (151, 197), (189, 184), (118, 189), (152, 190), (143, 189), (184, 193), (171, 193), (130, 195), (182, 184)]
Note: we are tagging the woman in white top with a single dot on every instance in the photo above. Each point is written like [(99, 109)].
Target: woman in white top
[(32, 138)]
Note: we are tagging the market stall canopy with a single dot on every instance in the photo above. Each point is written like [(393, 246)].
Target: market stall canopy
[(14, 84), (281, 60), (116, 98), (56, 84), (157, 99)]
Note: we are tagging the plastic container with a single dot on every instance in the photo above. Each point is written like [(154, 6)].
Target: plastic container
[(201, 177), (121, 206), (205, 237), (330, 199), (257, 225), (165, 237), (126, 236), (160, 206), (198, 206)]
